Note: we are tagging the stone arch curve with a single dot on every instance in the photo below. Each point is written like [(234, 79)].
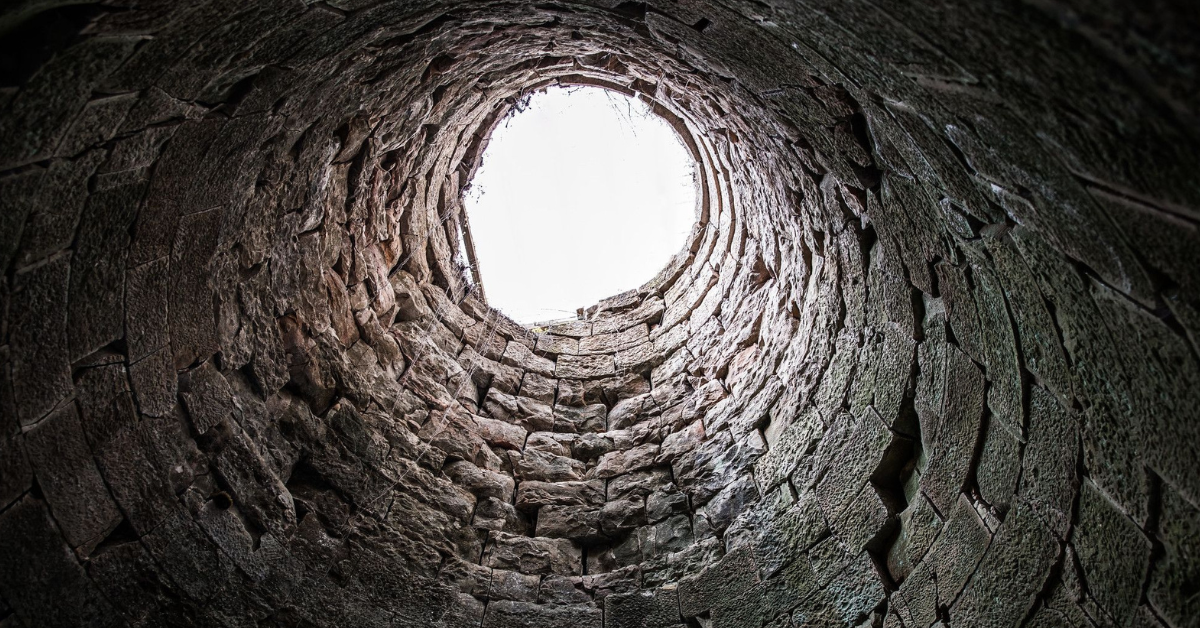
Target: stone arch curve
[(928, 357)]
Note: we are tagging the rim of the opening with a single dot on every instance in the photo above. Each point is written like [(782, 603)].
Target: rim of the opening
[(473, 158)]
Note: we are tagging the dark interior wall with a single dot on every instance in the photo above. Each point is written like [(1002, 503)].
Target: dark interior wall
[(930, 354)]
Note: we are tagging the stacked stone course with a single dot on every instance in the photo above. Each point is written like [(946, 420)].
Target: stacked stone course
[(928, 358)]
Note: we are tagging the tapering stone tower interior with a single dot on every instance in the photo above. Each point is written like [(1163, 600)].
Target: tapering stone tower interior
[(929, 356)]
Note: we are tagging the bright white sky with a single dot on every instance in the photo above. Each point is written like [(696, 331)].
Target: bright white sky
[(583, 195)]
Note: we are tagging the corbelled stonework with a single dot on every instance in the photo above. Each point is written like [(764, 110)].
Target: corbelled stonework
[(928, 358)]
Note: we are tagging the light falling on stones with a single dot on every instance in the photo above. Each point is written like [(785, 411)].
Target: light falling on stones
[(928, 358)]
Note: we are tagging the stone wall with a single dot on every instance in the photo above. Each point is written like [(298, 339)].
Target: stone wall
[(928, 358)]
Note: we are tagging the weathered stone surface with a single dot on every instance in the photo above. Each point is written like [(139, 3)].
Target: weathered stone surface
[(569, 522), (1049, 482), (41, 375), (611, 342), (519, 356), (50, 586), (512, 585), (499, 433), (192, 320), (958, 549), (590, 418), (154, 383), (532, 495), (480, 482), (617, 463), (998, 466), (665, 502), (546, 467), (1172, 577), (95, 314), (942, 275), (538, 388), (658, 608), (949, 440), (1012, 572), (67, 475), (718, 584), (553, 343), (1114, 554), (505, 614), (919, 527), (584, 367), (532, 555), (534, 416)]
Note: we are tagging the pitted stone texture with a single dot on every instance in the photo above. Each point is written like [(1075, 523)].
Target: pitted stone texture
[(928, 354)]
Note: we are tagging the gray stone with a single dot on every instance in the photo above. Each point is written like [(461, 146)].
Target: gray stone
[(532, 555), (584, 367), (544, 467), (658, 608), (1113, 552), (590, 418), (532, 495), (718, 583), (505, 614), (1012, 572)]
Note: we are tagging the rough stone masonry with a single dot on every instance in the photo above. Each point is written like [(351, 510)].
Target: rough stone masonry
[(929, 357)]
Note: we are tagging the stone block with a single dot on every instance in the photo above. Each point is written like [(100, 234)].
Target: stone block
[(506, 614), (545, 467), (614, 341), (718, 584), (519, 356), (553, 343), (500, 433), (617, 463), (480, 482), (958, 549), (569, 522), (207, 397), (577, 420), (1174, 576), (511, 585), (67, 474), (950, 441), (532, 415), (37, 323), (192, 316), (998, 467), (1048, 481), (538, 388), (656, 608), (533, 555), (1113, 552), (584, 366), (1011, 574), (532, 495), (40, 576)]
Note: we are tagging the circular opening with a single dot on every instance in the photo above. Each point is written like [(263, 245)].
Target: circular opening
[(582, 193)]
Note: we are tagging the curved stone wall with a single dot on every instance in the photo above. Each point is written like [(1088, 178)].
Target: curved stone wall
[(928, 358)]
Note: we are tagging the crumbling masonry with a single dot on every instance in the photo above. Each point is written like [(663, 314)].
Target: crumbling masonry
[(929, 356)]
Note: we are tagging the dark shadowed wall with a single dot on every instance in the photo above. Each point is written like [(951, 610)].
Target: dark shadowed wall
[(929, 355)]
